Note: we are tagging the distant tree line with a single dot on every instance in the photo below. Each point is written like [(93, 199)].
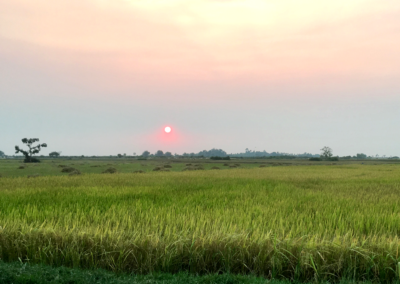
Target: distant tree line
[(221, 153)]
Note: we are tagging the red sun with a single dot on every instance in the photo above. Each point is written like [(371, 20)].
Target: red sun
[(167, 129)]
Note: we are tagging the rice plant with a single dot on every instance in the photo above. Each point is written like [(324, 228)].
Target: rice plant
[(299, 223)]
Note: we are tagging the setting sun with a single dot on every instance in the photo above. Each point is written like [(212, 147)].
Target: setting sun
[(167, 129)]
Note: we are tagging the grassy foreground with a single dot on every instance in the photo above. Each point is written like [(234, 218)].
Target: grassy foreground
[(300, 223), (24, 273), (18, 273)]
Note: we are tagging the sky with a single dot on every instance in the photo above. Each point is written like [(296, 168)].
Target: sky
[(102, 77)]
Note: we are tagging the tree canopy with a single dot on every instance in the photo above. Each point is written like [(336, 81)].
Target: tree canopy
[(32, 149)]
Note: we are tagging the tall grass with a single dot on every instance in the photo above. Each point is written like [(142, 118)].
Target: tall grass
[(300, 223)]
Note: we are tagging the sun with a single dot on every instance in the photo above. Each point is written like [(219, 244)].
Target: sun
[(167, 129)]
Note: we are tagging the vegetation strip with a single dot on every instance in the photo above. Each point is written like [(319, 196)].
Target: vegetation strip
[(25, 273)]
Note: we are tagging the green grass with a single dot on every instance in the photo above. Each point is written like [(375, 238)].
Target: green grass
[(48, 167), (24, 273), (301, 223)]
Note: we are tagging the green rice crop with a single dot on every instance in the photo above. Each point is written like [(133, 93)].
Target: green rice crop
[(300, 223)]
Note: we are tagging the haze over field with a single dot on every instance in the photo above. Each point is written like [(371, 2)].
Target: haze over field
[(100, 77)]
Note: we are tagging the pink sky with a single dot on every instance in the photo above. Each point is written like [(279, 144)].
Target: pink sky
[(180, 53)]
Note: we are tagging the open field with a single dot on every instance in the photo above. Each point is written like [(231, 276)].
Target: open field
[(52, 167), (325, 222)]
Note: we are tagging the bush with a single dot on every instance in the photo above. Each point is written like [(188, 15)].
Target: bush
[(75, 173), (110, 171), (68, 170), (32, 160), (315, 159), (333, 159), (220, 158)]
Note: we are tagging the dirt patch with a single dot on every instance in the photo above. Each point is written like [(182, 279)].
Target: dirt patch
[(215, 168)]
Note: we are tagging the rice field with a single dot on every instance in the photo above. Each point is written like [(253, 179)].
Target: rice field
[(305, 223)]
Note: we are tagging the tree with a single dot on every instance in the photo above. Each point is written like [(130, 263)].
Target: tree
[(326, 152), (159, 153), (361, 156), (32, 149), (168, 154), (2, 154), (55, 154), (119, 156), (146, 154)]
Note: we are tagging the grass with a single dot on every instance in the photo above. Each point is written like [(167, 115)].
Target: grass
[(310, 223), (48, 167), (53, 167), (24, 273)]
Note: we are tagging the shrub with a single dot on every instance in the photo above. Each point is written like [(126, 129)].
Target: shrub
[(167, 166), (215, 168), (193, 168), (315, 159), (68, 170), (75, 173), (110, 171), (333, 159), (220, 158), (21, 167), (263, 166), (139, 172), (31, 160)]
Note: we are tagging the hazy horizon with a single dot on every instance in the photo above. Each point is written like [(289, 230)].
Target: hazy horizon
[(105, 77)]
